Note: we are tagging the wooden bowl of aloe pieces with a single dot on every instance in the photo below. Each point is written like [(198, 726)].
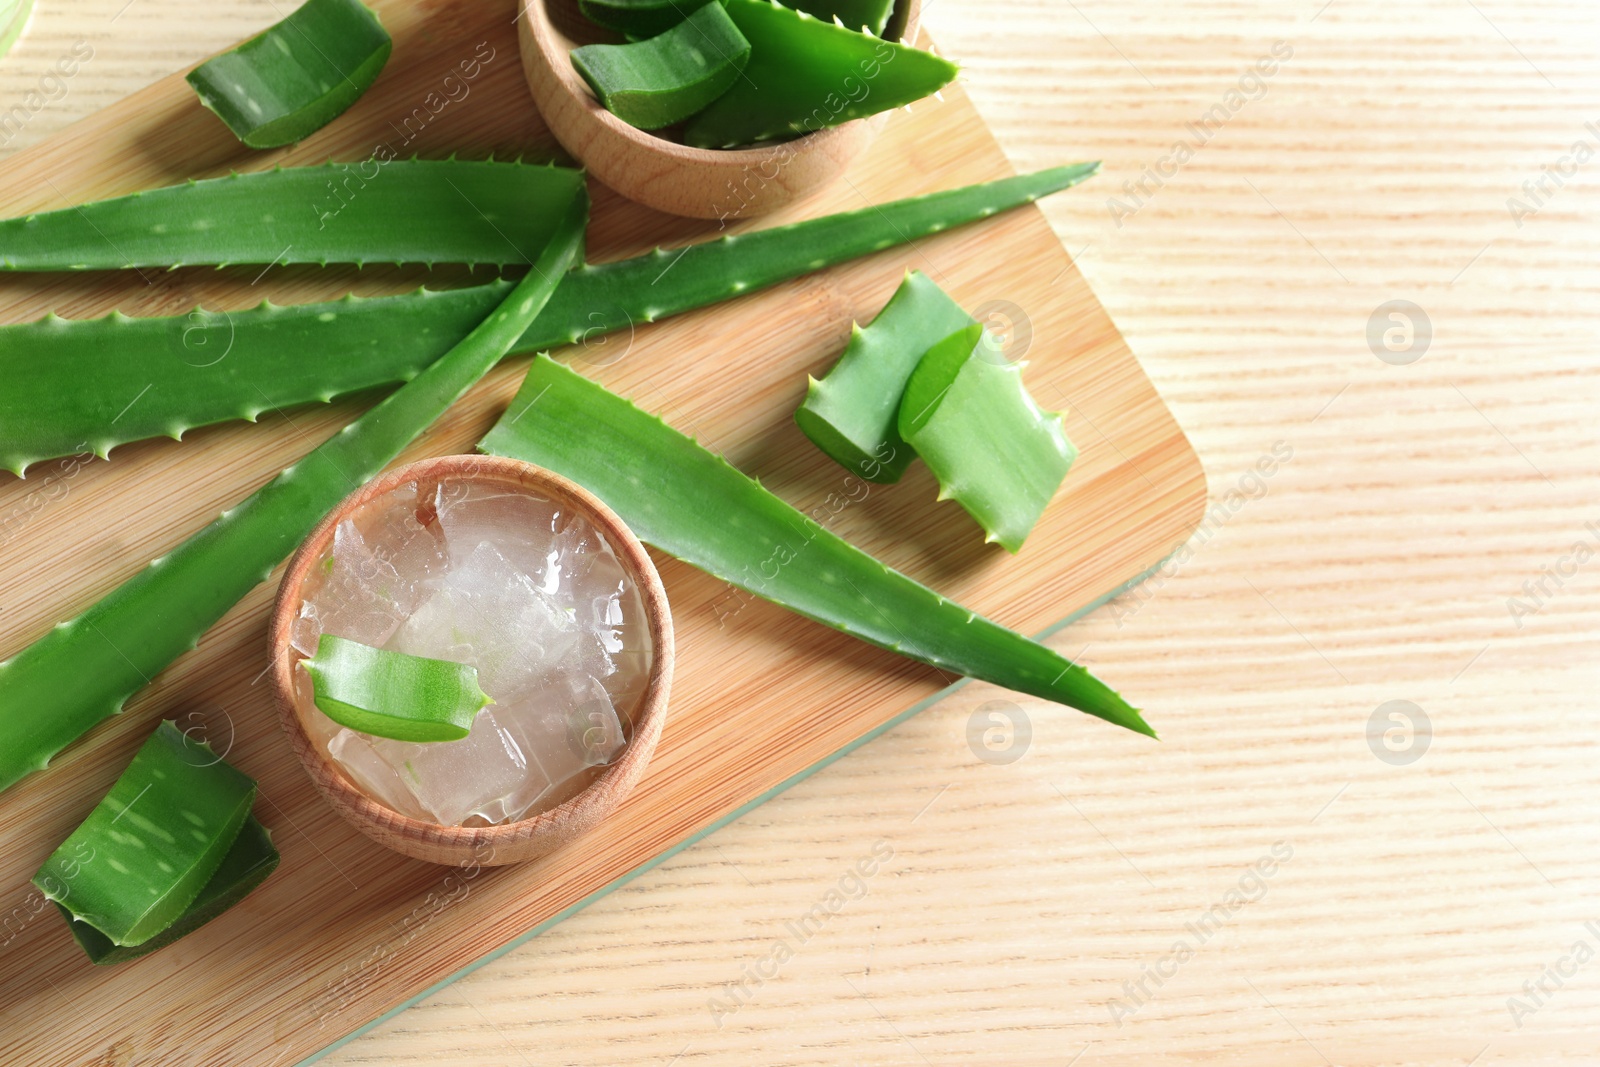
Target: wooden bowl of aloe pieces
[(727, 109), (472, 657)]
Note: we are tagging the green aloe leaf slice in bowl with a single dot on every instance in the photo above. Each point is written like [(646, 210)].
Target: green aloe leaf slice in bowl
[(391, 694), (667, 78)]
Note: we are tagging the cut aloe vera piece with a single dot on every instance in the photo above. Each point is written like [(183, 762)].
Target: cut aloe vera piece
[(250, 861), (295, 77), (970, 418), (853, 413), (669, 77), (66, 393), (690, 503), (403, 211), (144, 853), (805, 75), (391, 694), (81, 671)]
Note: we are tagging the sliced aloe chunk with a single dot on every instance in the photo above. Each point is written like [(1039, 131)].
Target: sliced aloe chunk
[(248, 863), (134, 866), (81, 671), (295, 77), (970, 418), (669, 77), (805, 75), (690, 503), (391, 694), (403, 211), (853, 412)]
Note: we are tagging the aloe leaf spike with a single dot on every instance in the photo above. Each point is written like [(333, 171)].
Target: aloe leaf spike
[(692, 504), (148, 848), (65, 394), (454, 211), (83, 670), (391, 694), (805, 75), (248, 863), (853, 412), (295, 77), (970, 418)]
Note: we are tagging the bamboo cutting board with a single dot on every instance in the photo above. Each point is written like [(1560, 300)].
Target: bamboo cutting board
[(345, 930)]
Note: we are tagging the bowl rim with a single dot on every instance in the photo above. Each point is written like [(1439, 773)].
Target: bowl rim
[(555, 57), (578, 812)]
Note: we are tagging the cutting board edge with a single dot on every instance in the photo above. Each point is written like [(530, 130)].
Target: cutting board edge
[(1198, 505)]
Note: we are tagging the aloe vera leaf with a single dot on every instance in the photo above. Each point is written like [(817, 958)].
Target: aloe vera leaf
[(148, 848), (64, 393), (669, 77), (250, 861), (82, 671), (403, 211), (296, 76), (853, 412), (870, 16), (692, 504), (805, 74), (970, 418), (391, 694)]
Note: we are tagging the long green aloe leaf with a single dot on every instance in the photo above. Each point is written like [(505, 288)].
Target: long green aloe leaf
[(805, 75), (248, 863), (390, 694), (83, 670), (970, 418), (297, 76), (88, 385), (670, 76), (689, 502), (147, 849), (853, 412), (402, 211)]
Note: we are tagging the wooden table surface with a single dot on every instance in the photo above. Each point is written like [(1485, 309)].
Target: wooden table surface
[(1303, 871)]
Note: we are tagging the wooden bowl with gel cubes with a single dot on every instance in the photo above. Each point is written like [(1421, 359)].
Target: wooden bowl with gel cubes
[(524, 576)]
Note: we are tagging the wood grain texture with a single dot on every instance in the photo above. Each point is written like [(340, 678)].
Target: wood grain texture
[(1021, 897), (346, 929)]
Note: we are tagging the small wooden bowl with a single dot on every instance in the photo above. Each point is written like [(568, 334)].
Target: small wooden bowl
[(514, 842), (697, 182)]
